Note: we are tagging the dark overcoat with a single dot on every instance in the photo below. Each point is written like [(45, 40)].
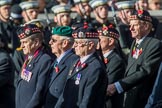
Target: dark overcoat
[(155, 98), (30, 94), (85, 86), (141, 73), (57, 79), (115, 69), (7, 89)]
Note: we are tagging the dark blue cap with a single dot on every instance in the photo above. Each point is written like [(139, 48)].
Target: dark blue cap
[(85, 32), (27, 30)]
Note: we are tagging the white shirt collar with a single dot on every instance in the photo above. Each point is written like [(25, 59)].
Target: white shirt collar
[(140, 40), (82, 60), (62, 55), (107, 54)]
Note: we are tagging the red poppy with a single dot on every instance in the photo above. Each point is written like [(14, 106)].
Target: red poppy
[(56, 69), (140, 12), (104, 28), (85, 25), (83, 65), (133, 52), (140, 51), (106, 60)]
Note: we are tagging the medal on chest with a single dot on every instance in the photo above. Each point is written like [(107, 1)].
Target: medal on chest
[(77, 81), (26, 75)]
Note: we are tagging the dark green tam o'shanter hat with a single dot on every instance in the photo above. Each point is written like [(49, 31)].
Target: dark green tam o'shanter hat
[(62, 31)]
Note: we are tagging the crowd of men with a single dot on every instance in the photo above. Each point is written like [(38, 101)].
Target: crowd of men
[(80, 62)]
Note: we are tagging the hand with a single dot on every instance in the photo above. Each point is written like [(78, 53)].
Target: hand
[(111, 89), (137, 5), (123, 17)]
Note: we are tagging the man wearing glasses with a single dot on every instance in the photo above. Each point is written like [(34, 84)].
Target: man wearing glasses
[(86, 83), (61, 44)]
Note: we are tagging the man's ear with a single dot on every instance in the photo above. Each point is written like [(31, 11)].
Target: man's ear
[(36, 42), (111, 41), (23, 13), (55, 19), (91, 45)]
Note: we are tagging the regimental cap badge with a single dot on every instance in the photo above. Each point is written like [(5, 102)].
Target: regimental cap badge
[(105, 30), (85, 32), (81, 35), (140, 13), (27, 31)]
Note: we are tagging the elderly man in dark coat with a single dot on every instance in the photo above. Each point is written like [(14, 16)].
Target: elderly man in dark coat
[(61, 44), (31, 81), (114, 61), (87, 81), (143, 63)]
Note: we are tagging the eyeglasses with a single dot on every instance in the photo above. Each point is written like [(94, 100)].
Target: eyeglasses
[(56, 40)]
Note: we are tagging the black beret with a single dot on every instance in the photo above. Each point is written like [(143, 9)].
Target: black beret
[(108, 31), (85, 32), (77, 25), (27, 30), (141, 15)]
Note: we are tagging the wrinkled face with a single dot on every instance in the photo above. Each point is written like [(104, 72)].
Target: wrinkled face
[(102, 11), (30, 14), (104, 42), (28, 46), (155, 4), (137, 29), (56, 44), (63, 19), (81, 47), (5, 11)]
